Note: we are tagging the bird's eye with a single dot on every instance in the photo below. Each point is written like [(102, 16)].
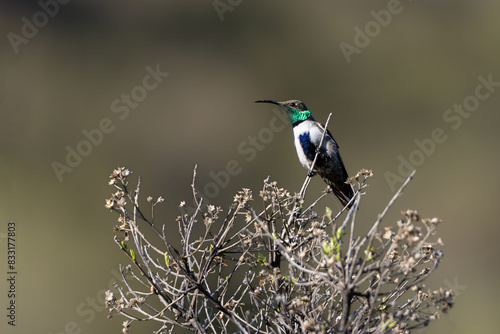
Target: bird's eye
[(293, 104)]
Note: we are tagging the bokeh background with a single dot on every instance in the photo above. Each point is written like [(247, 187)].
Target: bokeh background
[(221, 56)]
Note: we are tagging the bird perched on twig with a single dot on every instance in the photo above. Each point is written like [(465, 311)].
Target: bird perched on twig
[(307, 138)]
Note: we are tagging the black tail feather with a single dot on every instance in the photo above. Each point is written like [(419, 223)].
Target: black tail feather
[(344, 196)]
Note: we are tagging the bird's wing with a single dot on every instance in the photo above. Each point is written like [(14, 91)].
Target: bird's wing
[(328, 133), (344, 188)]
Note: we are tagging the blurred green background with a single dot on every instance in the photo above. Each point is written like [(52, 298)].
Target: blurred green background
[(392, 86)]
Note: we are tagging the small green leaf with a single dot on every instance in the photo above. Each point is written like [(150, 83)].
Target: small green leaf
[(390, 323), (167, 259), (340, 233), (328, 247), (328, 213), (124, 246), (132, 254), (384, 307), (370, 255), (261, 259)]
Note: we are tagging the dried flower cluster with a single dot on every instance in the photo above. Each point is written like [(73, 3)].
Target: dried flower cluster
[(285, 269)]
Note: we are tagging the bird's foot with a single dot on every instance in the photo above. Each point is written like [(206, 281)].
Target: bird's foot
[(310, 173)]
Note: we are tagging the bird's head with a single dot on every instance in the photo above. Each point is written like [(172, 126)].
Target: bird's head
[(296, 110)]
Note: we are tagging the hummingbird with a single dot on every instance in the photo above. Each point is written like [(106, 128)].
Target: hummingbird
[(307, 133)]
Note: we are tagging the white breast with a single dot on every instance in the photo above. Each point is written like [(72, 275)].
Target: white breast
[(315, 134)]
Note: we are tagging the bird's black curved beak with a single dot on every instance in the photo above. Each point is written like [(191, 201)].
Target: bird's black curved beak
[(268, 101)]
